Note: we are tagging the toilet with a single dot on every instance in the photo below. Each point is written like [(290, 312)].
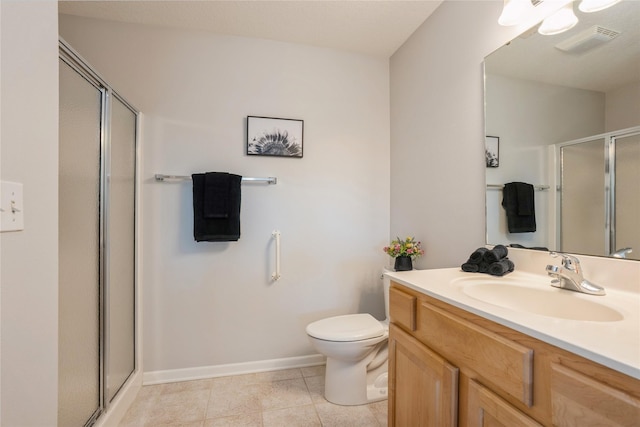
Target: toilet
[(356, 347)]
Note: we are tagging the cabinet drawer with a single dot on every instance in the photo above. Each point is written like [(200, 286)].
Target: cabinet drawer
[(504, 363), (581, 401), (402, 308), (487, 409)]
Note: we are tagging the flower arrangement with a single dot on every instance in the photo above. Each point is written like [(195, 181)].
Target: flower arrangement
[(407, 247)]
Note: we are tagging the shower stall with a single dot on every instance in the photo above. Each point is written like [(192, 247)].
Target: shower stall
[(97, 216), (599, 197)]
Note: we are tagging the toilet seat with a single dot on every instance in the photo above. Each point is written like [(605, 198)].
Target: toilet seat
[(350, 327)]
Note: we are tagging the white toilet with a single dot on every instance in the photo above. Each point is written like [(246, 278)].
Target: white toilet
[(356, 346)]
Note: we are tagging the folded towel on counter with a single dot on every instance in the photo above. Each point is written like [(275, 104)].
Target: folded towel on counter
[(502, 267), (493, 261), (209, 223), (470, 268), (518, 202), (477, 256), (496, 254)]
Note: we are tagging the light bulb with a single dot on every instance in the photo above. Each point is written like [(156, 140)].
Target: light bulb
[(513, 12), (589, 6), (561, 21)]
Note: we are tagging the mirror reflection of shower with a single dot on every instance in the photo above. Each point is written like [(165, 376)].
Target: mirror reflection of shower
[(599, 197)]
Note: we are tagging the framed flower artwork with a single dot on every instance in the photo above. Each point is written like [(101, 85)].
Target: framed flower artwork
[(492, 151), (269, 136)]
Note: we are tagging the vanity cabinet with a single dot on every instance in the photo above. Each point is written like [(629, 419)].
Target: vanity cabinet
[(427, 383), (486, 409), (450, 367)]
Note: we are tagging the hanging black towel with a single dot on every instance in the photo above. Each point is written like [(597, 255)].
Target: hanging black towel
[(216, 194), (214, 219), (518, 202)]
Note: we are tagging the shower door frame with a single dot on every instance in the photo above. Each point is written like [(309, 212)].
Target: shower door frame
[(70, 57), (609, 176)]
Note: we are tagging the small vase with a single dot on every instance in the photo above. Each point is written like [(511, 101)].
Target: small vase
[(403, 263)]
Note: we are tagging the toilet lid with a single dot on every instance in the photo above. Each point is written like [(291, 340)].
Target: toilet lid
[(350, 327)]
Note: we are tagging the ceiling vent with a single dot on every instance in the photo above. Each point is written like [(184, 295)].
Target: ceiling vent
[(588, 39)]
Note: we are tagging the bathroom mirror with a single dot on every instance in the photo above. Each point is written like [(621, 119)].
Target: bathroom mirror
[(554, 103)]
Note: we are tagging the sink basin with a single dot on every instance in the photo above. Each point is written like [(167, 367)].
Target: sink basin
[(538, 298)]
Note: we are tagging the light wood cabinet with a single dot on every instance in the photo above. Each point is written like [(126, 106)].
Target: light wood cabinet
[(485, 409), (427, 386), (578, 400), (450, 367)]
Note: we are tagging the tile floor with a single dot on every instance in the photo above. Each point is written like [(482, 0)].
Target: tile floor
[(290, 397)]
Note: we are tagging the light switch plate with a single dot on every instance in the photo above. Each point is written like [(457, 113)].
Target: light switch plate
[(11, 203)]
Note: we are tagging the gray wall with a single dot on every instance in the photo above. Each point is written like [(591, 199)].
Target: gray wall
[(212, 304), (437, 130), (29, 258)]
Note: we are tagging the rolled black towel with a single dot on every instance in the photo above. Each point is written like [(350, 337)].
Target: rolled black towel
[(502, 267), (496, 254), (476, 257), (483, 267), (469, 267)]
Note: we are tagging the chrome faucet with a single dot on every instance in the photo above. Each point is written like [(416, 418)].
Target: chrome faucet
[(622, 253), (569, 276)]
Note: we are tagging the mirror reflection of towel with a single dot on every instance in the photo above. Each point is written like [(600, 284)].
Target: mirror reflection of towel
[(216, 207), (518, 202)]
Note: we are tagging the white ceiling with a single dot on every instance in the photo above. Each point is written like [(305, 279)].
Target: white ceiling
[(607, 67), (377, 27)]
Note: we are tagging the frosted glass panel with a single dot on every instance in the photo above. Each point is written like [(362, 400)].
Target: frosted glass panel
[(627, 206), (583, 198), (121, 272), (79, 268)]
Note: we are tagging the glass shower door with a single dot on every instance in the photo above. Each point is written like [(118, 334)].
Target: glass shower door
[(627, 195), (79, 249), (583, 198), (120, 334), (97, 216)]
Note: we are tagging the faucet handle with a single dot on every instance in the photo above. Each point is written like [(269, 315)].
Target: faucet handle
[(568, 261)]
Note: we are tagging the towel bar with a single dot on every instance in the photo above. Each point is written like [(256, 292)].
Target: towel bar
[(162, 177), (500, 187)]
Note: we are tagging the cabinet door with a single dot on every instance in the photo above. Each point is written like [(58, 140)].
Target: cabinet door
[(581, 401), (423, 386), (486, 409)]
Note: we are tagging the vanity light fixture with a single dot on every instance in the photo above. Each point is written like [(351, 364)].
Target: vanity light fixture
[(589, 6), (561, 21), (514, 11)]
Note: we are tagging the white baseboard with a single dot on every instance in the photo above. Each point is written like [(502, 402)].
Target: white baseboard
[(203, 372)]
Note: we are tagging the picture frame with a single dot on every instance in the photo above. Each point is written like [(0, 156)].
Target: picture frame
[(492, 151), (271, 136)]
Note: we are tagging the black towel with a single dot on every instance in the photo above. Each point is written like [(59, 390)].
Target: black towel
[(493, 261), (476, 256), (207, 228), (476, 262), (496, 254), (502, 267), (216, 194), (470, 268), (518, 202)]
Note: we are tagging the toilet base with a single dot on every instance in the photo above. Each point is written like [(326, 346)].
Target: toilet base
[(378, 390), (349, 386)]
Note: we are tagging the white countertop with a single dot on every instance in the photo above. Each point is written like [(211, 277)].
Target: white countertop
[(615, 344)]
